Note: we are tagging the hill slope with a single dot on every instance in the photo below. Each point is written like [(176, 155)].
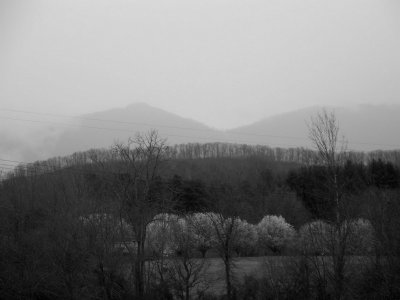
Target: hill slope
[(103, 129), (365, 127)]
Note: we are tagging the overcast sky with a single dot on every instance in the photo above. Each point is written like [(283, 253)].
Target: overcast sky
[(225, 63)]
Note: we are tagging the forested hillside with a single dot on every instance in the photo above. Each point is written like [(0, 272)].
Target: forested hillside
[(257, 200)]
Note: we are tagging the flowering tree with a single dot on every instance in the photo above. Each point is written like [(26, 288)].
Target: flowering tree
[(247, 238), (203, 231), (274, 233), (160, 237)]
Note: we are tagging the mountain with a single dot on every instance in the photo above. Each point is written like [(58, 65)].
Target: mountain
[(365, 127), (103, 129)]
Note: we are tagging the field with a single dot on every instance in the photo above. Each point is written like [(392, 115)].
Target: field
[(271, 267), (250, 266)]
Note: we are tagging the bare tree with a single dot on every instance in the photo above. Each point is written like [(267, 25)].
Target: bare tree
[(324, 133), (134, 176), (186, 272), (383, 278), (102, 232), (226, 233)]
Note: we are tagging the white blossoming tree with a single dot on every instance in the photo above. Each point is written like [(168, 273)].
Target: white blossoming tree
[(247, 237), (159, 232), (203, 231), (274, 233)]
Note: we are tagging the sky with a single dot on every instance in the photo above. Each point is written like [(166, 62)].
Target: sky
[(225, 63)]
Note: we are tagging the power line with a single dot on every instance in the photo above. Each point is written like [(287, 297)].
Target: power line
[(141, 123), (162, 126), (165, 126), (104, 120), (128, 130), (136, 123)]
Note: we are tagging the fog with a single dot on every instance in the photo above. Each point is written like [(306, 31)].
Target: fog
[(224, 63)]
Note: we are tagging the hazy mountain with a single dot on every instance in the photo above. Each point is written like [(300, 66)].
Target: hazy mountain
[(103, 129), (365, 127), (24, 141)]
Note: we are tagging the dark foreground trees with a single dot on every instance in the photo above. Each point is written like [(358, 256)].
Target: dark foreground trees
[(80, 227), (330, 146), (336, 190), (45, 249), (135, 183), (70, 231)]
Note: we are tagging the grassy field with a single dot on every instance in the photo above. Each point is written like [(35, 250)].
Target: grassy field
[(213, 277), (268, 266), (243, 266), (271, 267)]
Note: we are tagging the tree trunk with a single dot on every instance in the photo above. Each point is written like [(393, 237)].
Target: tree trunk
[(228, 277), (187, 293), (203, 253), (139, 270)]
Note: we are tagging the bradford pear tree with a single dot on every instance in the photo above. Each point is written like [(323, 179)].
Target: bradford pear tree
[(274, 233), (160, 239), (246, 242), (203, 231)]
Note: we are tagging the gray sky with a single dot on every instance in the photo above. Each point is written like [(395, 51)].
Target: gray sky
[(225, 63)]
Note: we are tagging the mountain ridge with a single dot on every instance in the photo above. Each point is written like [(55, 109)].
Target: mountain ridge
[(139, 117), (366, 127)]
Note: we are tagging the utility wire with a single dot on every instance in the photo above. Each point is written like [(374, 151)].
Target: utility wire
[(138, 123), (129, 130), (103, 120), (145, 124), (156, 125)]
